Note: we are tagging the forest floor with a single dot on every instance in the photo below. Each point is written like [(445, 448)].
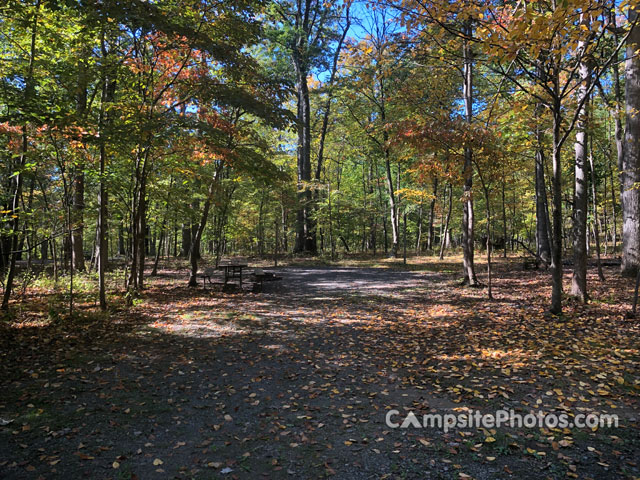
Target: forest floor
[(295, 382)]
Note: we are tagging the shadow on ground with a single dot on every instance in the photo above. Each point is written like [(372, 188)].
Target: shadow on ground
[(295, 382)]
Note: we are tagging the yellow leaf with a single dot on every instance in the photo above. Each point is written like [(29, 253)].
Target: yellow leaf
[(157, 462)]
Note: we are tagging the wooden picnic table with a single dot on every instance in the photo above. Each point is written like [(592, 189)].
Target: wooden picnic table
[(232, 270)]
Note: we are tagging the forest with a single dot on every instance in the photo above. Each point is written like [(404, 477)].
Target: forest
[(145, 131), (401, 174)]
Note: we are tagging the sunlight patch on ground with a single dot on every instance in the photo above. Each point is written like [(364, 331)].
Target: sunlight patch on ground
[(32, 323)]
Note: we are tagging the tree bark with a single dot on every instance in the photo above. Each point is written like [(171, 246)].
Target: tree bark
[(164, 237), (556, 273), (195, 240), (305, 225), (393, 208), (373, 223), (467, 195), (419, 228), (596, 220), (432, 211), (504, 216), (103, 254), (77, 238), (581, 192), (631, 157), (186, 240), (543, 245), (445, 236), (619, 132), (485, 188)]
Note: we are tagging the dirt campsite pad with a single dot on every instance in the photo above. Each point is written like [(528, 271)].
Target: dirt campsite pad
[(297, 381)]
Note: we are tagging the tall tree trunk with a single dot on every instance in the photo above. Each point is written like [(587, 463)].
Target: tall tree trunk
[(15, 228), (619, 132), (195, 240), (261, 229), (186, 239), (543, 245), (504, 216), (77, 243), (365, 243), (467, 195), (556, 274), (164, 237), (445, 236), (393, 208), (138, 221), (373, 222), (195, 207), (141, 233), (614, 215), (121, 247), (161, 244), (485, 188), (419, 233), (432, 211), (132, 281), (78, 220), (384, 219), (17, 192), (596, 220), (103, 254), (581, 191), (305, 227), (631, 156), (285, 233)]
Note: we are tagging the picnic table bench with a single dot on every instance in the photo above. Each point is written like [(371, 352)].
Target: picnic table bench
[(260, 276), (207, 276)]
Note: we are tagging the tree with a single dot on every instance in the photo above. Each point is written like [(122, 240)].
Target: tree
[(467, 170), (536, 48), (451, 25), (304, 29), (14, 211), (631, 157), (579, 278), (375, 77)]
